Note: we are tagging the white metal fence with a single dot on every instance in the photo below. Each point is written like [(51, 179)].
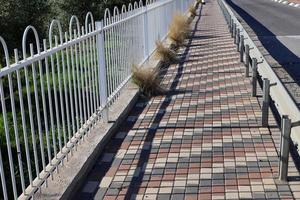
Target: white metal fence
[(52, 97)]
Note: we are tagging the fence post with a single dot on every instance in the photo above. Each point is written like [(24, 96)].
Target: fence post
[(146, 45), (265, 104), (102, 70), (241, 48), (254, 77), (247, 60), (284, 147)]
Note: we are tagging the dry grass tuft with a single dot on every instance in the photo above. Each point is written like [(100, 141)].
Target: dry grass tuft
[(193, 11), (165, 54), (179, 29), (147, 79)]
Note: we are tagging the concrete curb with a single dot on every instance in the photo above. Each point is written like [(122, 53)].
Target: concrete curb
[(295, 5)]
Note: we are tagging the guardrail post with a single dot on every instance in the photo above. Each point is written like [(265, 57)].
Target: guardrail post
[(229, 23), (247, 60), (234, 31), (254, 77), (102, 70), (265, 104), (237, 39), (241, 48), (146, 45), (284, 147), (231, 27)]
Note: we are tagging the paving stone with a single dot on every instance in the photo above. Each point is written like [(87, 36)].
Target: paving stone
[(177, 197), (200, 140)]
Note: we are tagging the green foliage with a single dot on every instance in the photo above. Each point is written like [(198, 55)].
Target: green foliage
[(16, 15)]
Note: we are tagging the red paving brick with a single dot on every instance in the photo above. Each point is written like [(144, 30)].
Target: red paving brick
[(202, 140)]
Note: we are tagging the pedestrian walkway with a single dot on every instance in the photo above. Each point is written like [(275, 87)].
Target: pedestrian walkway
[(202, 140)]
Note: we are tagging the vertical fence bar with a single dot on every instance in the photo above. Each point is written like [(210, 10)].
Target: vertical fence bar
[(21, 102), (265, 105), (77, 69), (66, 94), (41, 73), (254, 77), (8, 143), (3, 180), (37, 105), (102, 71), (146, 44), (285, 146), (16, 130), (83, 78), (28, 93), (70, 77), (50, 102)]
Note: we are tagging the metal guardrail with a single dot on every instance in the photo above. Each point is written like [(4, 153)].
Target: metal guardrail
[(285, 105), (54, 95)]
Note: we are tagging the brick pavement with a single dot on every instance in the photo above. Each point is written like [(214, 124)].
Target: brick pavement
[(202, 140)]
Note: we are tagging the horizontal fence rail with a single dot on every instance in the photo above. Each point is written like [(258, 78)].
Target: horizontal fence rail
[(273, 86), (54, 91)]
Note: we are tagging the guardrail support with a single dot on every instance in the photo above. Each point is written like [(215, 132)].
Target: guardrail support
[(241, 48), (237, 39), (102, 71), (229, 23), (234, 31), (284, 147), (231, 27), (265, 104), (254, 77), (247, 60)]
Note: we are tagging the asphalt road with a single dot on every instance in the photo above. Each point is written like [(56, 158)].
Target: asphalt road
[(272, 21), (277, 28)]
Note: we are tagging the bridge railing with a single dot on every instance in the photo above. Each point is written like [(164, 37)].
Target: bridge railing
[(55, 90)]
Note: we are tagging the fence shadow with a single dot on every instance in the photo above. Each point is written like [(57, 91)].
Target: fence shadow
[(136, 182)]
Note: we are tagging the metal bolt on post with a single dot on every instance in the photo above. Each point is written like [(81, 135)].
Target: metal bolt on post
[(237, 39), (247, 60), (284, 147), (265, 105), (241, 48), (254, 77)]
